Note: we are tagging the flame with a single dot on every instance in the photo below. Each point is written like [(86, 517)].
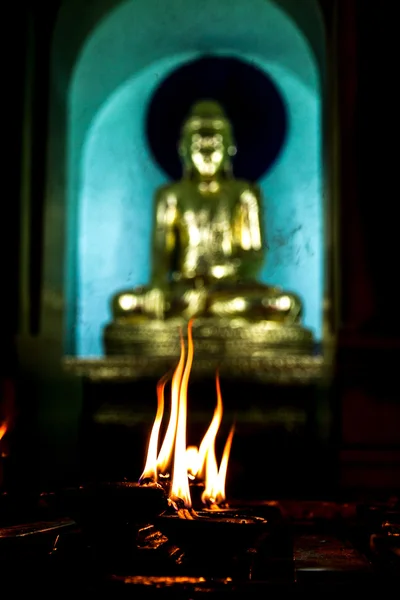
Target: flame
[(192, 461), (214, 492), (164, 457), (180, 483), (150, 469), (187, 462), (207, 446), (6, 408)]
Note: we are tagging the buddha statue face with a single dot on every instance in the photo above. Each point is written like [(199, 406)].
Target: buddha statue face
[(206, 144)]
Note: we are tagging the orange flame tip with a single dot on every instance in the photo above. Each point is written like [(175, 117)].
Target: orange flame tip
[(150, 469), (180, 484), (165, 455)]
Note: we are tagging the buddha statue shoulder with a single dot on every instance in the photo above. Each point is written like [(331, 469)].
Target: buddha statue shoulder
[(208, 241)]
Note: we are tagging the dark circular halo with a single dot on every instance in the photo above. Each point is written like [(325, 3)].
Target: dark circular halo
[(249, 97)]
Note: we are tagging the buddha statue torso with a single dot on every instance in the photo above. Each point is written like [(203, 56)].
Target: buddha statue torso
[(204, 229), (208, 242)]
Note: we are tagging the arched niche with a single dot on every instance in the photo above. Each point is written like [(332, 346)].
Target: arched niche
[(108, 59)]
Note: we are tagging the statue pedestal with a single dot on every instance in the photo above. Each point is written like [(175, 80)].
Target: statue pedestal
[(288, 370), (265, 352), (213, 338)]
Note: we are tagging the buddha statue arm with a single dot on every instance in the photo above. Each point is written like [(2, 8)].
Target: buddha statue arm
[(164, 238), (248, 233)]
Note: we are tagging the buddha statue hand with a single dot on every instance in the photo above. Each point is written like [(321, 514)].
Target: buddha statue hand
[(187, 301), (160, 302), (154, 303), (254, 301), (181, 300), (143, 301)]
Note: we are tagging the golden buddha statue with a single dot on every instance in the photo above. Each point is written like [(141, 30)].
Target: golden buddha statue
[(208, 247)]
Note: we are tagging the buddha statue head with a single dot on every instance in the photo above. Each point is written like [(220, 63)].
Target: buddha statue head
[(206, 145)]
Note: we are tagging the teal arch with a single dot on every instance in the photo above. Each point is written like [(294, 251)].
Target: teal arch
[(113, 64)]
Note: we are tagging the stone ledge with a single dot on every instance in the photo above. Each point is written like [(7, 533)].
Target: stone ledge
[(284, 370)]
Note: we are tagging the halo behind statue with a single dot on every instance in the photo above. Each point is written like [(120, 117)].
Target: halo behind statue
[(249, 97)]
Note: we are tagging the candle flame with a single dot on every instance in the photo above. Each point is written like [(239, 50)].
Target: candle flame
[(6, 408), (164, 458), (150, 469), (180, 483), (207, 446), (190, 462), (214, 492)]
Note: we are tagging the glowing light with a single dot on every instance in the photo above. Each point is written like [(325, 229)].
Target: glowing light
[(218, 124), (208, 442), (214, 186), (195, 123), (250, 217), (284, 303), (192, 461), (165, 455), (180, 483), (128, 301), (7, 409), (218, 271), (214, 491), (150, 469), (219, 489), (246, 239), (239, 304), (217, 156), (236, 305)]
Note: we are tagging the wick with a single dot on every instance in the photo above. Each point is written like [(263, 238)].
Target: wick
[(187, 513), (181, 510), (147, 481), (150, 482), (212, 505)]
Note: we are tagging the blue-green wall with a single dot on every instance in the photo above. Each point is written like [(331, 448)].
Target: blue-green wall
[(112, 176)]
